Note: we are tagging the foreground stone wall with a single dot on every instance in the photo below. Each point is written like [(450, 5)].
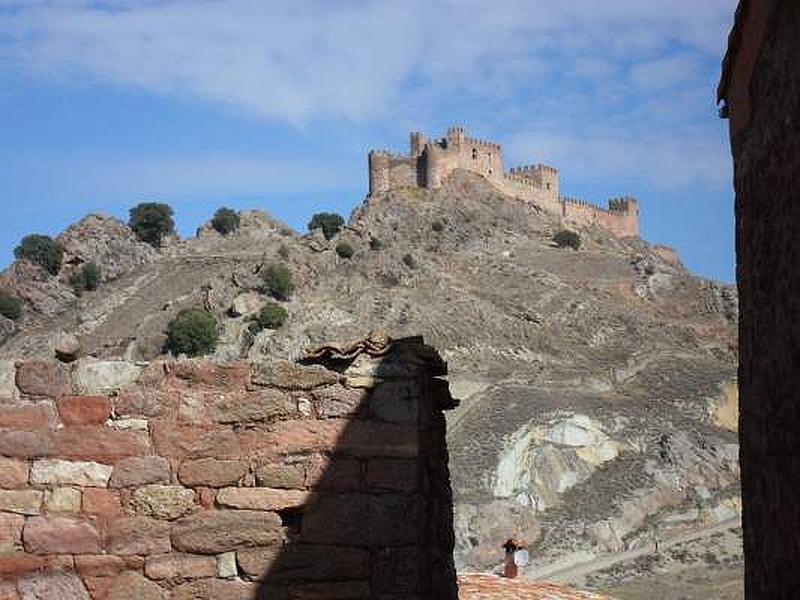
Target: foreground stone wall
[(761, 85), (192, 480)]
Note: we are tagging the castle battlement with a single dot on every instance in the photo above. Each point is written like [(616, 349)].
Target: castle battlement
[(430, 162)]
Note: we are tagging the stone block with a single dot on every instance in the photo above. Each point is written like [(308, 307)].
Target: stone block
[(101, 502), (60, 535), (378, 521), (67, 472), (62, 500), (339, 401), (180, 566), (177, 441), (8, 380), (397, 571), (395, 402), (84, 410), (215, 589), (27, 416), (211, 472), (139, 535), (130, 424), (292, 376), (101, 444), (217, 531), (140, 470), (22, 502), (66, 347), (262, 498), (13, 473), (15, 564), (51, 585), (10, 531), (305, 562), (8, 591), (226, 565), (261, 406), (163, 501), (104, 376), (132, 585), (106, 565), (145, 402), (393, 475), (43, 378), (26, 444), (278, 475), (228, 377), (336, 473), (349, 437)]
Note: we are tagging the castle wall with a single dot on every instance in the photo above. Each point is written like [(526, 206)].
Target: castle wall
[(192, 480), (388, 171), (622, 222)]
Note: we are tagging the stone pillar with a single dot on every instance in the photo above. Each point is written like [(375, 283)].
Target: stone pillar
[(761, 86)]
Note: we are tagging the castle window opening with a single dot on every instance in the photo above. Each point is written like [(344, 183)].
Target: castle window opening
[(548, 186), (474, 154)]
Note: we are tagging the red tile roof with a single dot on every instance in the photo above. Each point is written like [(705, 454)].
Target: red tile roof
[(492, 587)]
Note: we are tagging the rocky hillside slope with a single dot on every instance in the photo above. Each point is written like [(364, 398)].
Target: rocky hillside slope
[(598, 386)]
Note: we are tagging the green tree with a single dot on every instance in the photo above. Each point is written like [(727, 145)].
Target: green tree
[(152, 222), (87, 278), (330, 223), (41, 250), (10, 306), (567, 239), (272, 316), (193, 332), (278, 281), (344, 250), (226, 220)]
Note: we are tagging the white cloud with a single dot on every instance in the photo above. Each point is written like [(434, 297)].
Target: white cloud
[(553, 68)]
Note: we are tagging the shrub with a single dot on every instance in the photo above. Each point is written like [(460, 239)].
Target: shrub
[(283, 251), (151, 222), (86, 278), (41, 250), (330, 223), (193, 332), (437, 226), (409, 261), (344, 250), (10, 306), (375, 244), (567, 239), (226, 220), (272, 316), (278, 282)]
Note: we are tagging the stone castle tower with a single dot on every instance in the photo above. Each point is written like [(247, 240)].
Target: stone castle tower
[(430, 162)]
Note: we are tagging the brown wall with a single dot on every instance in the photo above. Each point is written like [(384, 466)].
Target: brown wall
[(764, 99), (192, 480)]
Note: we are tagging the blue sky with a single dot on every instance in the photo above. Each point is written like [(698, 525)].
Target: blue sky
[(274, 105)]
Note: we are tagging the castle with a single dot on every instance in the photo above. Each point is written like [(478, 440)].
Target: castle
[(430, 162)]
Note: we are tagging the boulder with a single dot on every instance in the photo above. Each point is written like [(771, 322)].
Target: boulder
[(66, 347), (247, 303)]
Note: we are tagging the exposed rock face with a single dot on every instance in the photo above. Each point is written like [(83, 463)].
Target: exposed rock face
[(107, 242)]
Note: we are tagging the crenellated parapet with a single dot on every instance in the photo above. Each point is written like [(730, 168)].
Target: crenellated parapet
[(431, 161)]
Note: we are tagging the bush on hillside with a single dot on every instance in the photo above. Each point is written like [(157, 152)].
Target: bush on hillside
[(10, 306), (437, 226), (375, 244), (87, 278), (41, 250), (193, 332), (226, 220), (409, 261), (272, 316), (330, 223), (344, 250), (567, 239), (278, 282), (152, 222)]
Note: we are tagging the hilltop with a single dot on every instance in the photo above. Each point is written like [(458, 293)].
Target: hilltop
[(598, 385)]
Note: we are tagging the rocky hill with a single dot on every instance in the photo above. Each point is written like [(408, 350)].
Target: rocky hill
[(598, 408)]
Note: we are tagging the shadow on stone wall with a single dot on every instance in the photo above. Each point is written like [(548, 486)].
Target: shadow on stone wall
[(376, 519)]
